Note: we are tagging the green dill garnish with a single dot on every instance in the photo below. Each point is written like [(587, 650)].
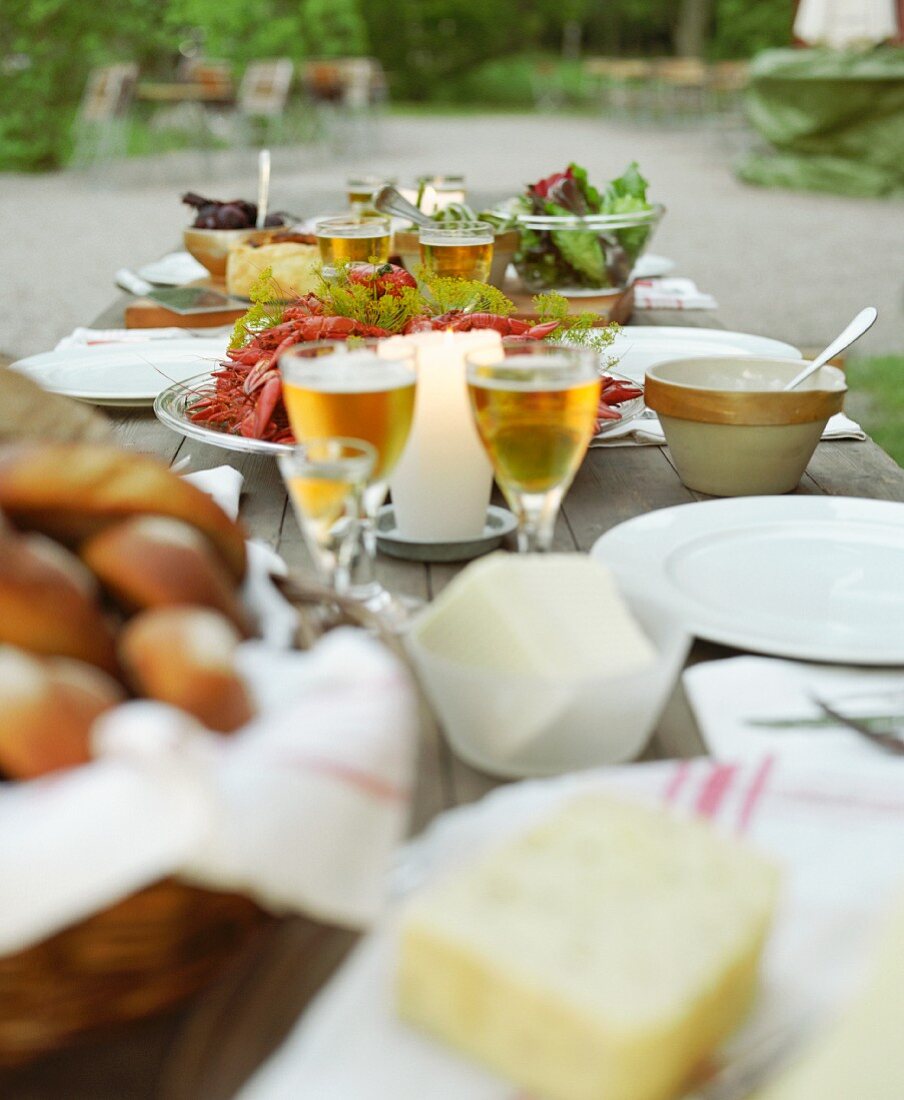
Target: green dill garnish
[(582, 329), (268, 306)]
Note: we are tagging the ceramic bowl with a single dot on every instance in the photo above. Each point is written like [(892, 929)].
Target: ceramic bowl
[(731, 429), (210, 247)]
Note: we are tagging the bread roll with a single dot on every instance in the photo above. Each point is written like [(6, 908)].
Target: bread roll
[(185, 656), (47, 709), (49, 602), (73, 490), (156, 561)]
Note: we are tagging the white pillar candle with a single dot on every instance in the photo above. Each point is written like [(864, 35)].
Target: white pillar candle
[(442, 483)]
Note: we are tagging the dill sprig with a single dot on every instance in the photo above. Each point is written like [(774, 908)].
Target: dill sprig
[(443, 295), (268, 307), (582, 329)]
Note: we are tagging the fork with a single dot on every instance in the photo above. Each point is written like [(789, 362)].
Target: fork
[(887, 741), (752, 1067)]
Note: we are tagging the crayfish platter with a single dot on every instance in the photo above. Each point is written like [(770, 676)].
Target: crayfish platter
[(173, 408)]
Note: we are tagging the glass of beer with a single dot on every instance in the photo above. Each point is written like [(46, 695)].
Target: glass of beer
[(353, 239), (438, 192), (331, 389), (361, 189), (535, 407), (325, 479), (463, 250)]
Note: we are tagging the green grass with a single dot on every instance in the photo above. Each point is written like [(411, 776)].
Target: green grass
[(877, 386)]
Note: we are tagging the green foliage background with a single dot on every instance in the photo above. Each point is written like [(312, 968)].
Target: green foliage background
[(452, 51)]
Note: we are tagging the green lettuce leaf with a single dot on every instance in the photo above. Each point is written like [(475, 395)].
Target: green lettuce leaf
[(591, 196), (582, 250)]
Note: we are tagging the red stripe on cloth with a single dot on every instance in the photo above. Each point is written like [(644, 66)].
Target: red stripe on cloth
[(715, 789), (363, 781), (755, 793), (676, 782)]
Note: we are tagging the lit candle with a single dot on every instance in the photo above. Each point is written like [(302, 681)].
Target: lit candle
[(441, 485)]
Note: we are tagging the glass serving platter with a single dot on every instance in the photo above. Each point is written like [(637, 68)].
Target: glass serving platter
[(173, 405)]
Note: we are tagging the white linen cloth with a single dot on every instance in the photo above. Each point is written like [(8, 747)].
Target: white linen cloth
[(86, 337), (843, 23), (173, 269), (818, 825), (301, 810), (737, 702), (646, 431), (223, 483), (671, 293)]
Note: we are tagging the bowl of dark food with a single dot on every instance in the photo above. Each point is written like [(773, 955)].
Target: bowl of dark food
[(218, 226), (578, 239)]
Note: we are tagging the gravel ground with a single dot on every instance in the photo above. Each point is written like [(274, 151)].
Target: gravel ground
[(790, 265)]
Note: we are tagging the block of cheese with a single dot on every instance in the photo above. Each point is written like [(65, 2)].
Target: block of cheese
[(600, 956), (555, 615), (862, 1056), (293, 259)]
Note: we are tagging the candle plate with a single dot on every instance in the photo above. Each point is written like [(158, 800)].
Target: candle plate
[(499, 523)]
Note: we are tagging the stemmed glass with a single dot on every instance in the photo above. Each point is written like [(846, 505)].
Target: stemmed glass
[(333, 390), (535, 406), (325, 479)]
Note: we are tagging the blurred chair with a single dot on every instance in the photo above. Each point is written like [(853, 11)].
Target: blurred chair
[(548, 92), (101, 128), (680, 86), (727, 84), (625, 85), (348, 95), (262, 101)]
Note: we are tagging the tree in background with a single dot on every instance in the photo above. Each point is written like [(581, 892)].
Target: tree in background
[(334, 28)]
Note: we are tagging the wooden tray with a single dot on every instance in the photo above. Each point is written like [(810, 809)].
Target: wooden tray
[(144, 313)]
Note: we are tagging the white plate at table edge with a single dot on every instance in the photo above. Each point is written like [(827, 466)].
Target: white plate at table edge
[(157, 355), (646, 547)]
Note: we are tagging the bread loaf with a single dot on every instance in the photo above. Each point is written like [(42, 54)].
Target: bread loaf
[(49, 602), (157, 561), (185, 656), (47, 709), (294, 260), (73, 490), (600, 956)]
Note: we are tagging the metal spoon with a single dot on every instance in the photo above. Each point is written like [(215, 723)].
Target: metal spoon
[(263, 186), (854, 331), (388, 201)]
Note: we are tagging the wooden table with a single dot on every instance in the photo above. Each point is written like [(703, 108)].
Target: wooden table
[(206, 1049)]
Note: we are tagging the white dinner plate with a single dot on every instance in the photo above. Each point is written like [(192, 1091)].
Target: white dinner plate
[(637, 347), (815, 578), (122, 374)]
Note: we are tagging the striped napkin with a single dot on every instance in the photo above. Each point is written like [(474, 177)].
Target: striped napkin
[(675, 293), (301, 810)]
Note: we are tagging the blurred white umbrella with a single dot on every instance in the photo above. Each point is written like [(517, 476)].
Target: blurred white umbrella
[(843, 23)]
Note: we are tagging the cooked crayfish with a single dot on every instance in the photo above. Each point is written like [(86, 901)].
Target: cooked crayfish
[(457, 320)]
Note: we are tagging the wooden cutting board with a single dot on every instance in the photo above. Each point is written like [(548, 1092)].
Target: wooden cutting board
[(145, 313)]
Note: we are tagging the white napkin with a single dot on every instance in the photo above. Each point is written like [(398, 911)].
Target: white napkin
[(734, 697), (85, 337), (301, 810), (646, 431), (672, 293), (223, 483), (817, 824), (174, 269)]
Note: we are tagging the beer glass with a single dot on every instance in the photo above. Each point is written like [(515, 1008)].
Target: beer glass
[(464, 250), (360, 191), (325, 478), (353, 239), (330, 389), (438, 192), (535, 407)]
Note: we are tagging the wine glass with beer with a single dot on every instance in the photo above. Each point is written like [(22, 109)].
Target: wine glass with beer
[(331, 389), (535, 407), (463, 250), (353, 239), (360, 192), (325, 479)]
